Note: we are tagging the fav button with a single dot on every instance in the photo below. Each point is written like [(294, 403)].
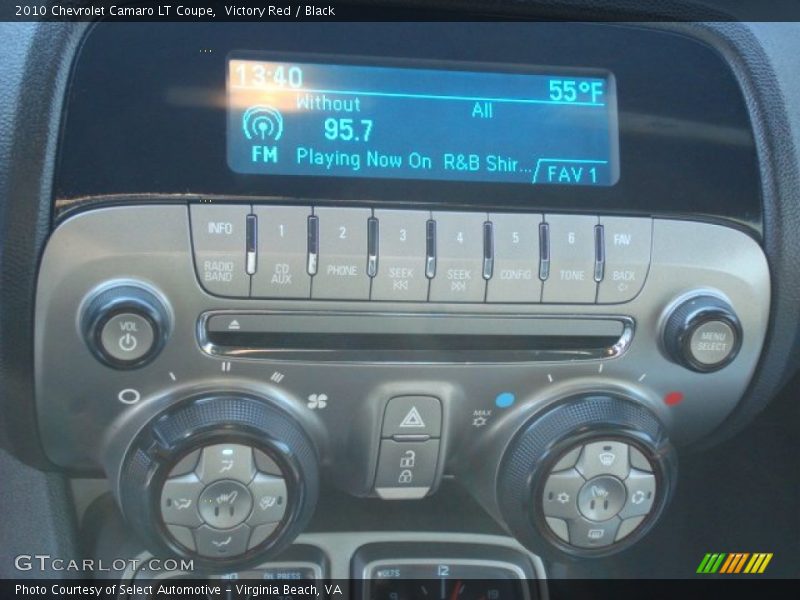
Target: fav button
[(627, 257)]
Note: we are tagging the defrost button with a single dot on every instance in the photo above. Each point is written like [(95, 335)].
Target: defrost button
[(226, 461), (604, 458)]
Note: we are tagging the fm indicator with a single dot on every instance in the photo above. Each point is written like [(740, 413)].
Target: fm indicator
[(335, 120)]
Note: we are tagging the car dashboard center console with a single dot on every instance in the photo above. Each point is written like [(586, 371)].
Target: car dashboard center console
[(339, 257)]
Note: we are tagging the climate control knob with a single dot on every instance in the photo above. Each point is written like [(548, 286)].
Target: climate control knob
[(228, 480), (703, 334), (587, 477)]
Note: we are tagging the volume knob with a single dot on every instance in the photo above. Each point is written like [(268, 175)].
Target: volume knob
[(703, 334), (125, 326)]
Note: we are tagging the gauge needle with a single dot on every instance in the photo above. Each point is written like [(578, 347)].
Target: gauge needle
[(456, 589)]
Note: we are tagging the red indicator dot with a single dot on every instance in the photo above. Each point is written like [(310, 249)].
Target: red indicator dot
[(673, 398)]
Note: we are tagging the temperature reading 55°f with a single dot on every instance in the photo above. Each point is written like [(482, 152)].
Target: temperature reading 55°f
[(571, 90)]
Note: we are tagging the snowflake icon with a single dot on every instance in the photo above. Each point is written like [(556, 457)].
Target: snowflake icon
[(479, 421), (563, 497)]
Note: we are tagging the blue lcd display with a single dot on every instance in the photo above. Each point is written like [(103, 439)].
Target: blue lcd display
[(336, 120)]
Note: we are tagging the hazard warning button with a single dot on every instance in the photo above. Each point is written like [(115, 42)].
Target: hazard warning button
[(415, 416)]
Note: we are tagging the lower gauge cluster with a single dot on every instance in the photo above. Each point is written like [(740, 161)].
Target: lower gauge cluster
[(369, 566)]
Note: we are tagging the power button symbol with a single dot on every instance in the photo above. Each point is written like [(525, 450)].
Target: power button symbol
[(127, 337), (128, 342)]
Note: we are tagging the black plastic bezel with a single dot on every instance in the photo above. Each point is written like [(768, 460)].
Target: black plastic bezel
[(686, 144)]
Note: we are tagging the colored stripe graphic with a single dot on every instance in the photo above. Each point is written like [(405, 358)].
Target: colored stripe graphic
[(728, 562), (711, 563), (734, 563), (758, 563)]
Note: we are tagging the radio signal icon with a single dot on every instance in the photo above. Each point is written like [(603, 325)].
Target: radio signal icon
[(262, 122)]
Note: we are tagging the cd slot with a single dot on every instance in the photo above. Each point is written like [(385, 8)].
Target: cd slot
[(411, 338)]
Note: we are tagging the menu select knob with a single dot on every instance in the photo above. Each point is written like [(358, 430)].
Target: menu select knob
[(703, 334), (125, 326)]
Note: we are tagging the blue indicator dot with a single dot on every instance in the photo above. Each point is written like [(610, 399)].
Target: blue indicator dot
[(505, 399)]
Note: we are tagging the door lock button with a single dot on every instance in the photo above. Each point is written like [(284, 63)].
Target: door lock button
[(406, 470)]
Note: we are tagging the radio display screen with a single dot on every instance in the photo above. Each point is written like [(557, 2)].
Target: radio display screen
[(312, 119)]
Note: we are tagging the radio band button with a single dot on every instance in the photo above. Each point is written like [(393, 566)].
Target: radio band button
[(220, 240)]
